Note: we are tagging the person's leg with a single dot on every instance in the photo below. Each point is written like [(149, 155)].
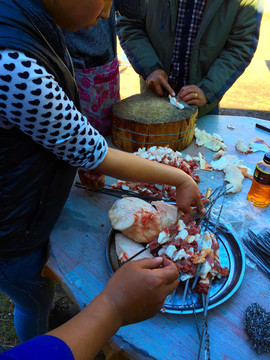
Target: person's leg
[(31, 294)]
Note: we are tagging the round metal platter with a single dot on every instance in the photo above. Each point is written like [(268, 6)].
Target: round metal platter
[(231, 255)]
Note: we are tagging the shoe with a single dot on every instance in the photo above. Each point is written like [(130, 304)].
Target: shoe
[(61, 313)]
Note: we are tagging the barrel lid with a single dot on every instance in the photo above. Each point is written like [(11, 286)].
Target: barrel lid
[(148, 108), (266, 158)]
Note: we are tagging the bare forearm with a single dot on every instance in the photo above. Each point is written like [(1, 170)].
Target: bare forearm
[(129, 167), (86, 333)]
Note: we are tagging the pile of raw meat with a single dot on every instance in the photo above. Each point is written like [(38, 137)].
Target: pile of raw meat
[(163, 155), (166, 232)]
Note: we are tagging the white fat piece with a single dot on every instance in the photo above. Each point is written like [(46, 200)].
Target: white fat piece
[(219, 154), (163, 237), (225, 161), (190, 239), (204, 241), (126, 247), (170, 251), (204, 165), (181, 225), (180, 254), (205, 268), (246, 172), (235, 179), (241, 147), (186, 276), (175, 102), (211, 142), (182, 234), (254, 145)]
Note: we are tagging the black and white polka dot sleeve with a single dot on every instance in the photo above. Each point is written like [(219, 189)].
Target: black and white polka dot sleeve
[(32, 100)]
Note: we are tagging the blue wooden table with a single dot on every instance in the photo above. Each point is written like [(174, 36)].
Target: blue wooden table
[(77, 261)]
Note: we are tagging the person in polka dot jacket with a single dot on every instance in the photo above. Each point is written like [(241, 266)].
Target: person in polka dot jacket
[(44, 139)]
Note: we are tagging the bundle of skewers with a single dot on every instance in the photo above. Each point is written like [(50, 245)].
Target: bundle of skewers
[(259, 249)]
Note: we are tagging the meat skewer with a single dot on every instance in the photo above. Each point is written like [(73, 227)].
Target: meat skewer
[(259, 247), (160, 228), (205, 299), (119, 193), (171, 297), (214, 231)]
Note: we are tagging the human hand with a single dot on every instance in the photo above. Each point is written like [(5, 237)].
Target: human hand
[(92, 179), (157, 81), (139, 288), (192, 95), (188, 197)]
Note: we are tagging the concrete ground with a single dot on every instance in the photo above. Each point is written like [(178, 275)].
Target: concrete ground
[(249, 95)]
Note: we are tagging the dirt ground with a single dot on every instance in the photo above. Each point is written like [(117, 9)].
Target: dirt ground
[(249, 96)]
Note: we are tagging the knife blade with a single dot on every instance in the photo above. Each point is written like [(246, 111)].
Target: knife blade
[(183, 103)]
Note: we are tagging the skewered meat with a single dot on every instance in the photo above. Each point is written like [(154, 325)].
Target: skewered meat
[(181, 242)]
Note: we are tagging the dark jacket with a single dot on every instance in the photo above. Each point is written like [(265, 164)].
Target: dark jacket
[(34, 184), (97, 46), (224, 46)]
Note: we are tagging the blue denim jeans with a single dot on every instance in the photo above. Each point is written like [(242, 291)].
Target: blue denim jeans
[(32, 294)]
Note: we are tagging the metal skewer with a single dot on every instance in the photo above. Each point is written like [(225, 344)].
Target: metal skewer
[(185, 292), (119, 193), (205, 299), (220, 192), (198, 270), (172, 295), (194, 313), (138, 253)]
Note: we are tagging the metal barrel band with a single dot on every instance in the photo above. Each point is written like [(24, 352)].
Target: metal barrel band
[(136, 133)]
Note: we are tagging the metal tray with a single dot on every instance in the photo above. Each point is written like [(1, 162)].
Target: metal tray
[(231, 255)]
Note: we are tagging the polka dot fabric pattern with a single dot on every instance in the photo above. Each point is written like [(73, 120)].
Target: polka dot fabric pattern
[(32, 100)]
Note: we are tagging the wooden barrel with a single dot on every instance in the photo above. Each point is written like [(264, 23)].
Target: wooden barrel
[(145, 120)]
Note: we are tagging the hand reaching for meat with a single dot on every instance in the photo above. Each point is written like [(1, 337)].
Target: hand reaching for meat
[(121, 165), (188, 197), (92, 179), (139, 288)]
